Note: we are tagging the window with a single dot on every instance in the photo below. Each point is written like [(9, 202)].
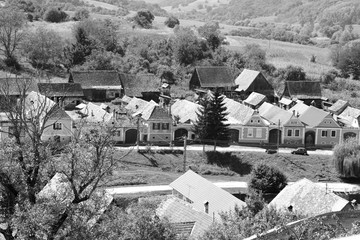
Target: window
[(258, 121), (297, 133), (259, 133), (165, 126), (323, 133), (251, 121), (250, 132), (57, 126), (333, 133), (156, 126), (289, 132)]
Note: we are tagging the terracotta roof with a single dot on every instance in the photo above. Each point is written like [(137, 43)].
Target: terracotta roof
[(274, 114), (313, 116), (185, 110), (300, 107), (96, 79), (303, 89), (184, 218), (135, 85), (61, 89), (199, 191), (255, 99), (159, 113), (338, 106), (13, 86), (238, 111), (308, 198), (245, 79), (214, 76)]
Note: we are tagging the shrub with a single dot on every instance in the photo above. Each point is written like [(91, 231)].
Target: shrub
[(172, 21), (144, 18), (347, 159), (228, 160), (55, 15), (267, 179), (81, 14)]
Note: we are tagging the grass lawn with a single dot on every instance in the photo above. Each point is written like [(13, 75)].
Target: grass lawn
[(161, 169)]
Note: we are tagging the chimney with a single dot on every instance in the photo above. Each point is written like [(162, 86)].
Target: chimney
[(206, 207)]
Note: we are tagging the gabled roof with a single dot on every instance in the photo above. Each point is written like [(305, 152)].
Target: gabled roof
[(145, 110), (350, 112), (255, 99), (303, 89), (245, 79), (93, 113), (185, 110), (294, 121), (14, 86), (136, 104), (313, 116), (257, 120), (274, 114), (159, 113), (238, 111), (299, 108), (338, 106), (61, 89), (104, 79), (199, 191), (214, 76), (183, 217), (308, 198), (285, 101), (135, 85)]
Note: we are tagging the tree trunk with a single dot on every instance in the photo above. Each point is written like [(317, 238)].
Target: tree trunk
[(214, 145)]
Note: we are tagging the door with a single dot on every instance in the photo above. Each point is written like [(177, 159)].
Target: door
[(131, 136)]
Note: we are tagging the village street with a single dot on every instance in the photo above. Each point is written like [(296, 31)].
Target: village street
[(231, 148)]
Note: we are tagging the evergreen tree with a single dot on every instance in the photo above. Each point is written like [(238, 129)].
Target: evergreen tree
[(210, 119), (217, 130)]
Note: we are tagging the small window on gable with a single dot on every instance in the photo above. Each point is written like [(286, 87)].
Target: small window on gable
[(57, 126), (258, 120), (251, 121)]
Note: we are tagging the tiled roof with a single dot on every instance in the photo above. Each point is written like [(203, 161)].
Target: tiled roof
[(285, 101), (159, 113), (93, 113), (254, 99), (245, 79), (214, 76), (303, 89), (185, 110), (338, 106), (300, 107), (37, 105), (61, 89), (308, 198), (274, 114), (313, 116), (13, 86), (183, 217), (135, 85), (136, 104), (145, 110), (96, 78), (238, 111), (199, 191), (350, 117)]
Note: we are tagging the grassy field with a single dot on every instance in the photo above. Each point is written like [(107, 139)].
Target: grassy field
[(159, 168), (281, 54), (102, 4)]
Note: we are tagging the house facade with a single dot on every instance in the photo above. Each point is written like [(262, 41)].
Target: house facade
[(256, 130), (159, 127), (294, 132)]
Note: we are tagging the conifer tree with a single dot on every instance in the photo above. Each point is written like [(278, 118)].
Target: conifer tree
[(200, 126), (217, 130)]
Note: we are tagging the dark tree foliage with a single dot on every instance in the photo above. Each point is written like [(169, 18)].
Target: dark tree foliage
[(347, 59), (55, 15), (144, 18), (292, 73), (172, 21), (217, 129), (267, 179), (200, 127), (211, 32), (347, 159)]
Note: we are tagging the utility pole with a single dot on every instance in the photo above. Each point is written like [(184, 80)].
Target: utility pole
[(184, 154), (138, 132), (278, 137)]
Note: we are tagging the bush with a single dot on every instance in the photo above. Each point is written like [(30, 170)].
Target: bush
[(81, 14), (172, 21), (144, 18), (55, 15), (228, 160), (347, 159), (267, 179)]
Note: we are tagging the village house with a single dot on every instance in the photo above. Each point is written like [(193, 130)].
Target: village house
[(338, 107), (66, 95), (144, 86), (310, 199), (185, 220), (255, 130), (98, 85), (255, 100), (250, 81), (307, 91), (203, 195), (286, 103), (159, 126), (184, 114), (212, 78), (299, 108), (294, 132)]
